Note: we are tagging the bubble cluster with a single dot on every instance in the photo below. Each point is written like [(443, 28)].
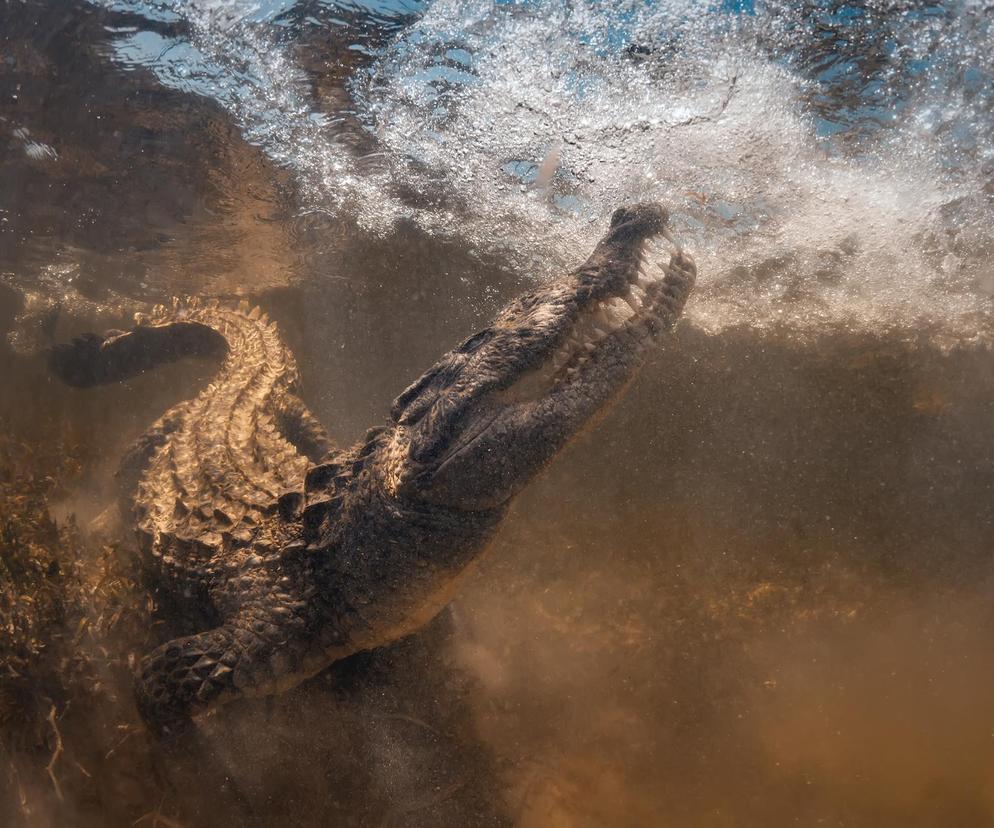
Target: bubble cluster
[(830, 166), (799, 221)]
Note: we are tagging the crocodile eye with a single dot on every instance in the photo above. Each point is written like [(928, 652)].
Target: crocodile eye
[(618, 216), (474, 342)]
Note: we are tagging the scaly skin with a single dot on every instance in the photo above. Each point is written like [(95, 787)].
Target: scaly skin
[(304, 554)]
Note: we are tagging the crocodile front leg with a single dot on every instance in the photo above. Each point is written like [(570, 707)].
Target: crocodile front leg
[(186, 675), (261, 650)]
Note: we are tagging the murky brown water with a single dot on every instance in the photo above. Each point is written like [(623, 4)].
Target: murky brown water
[(758, 594)]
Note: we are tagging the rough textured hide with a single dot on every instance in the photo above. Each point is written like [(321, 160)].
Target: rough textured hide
[(305, 554)]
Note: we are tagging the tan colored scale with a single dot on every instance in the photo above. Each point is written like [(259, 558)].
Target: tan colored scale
[(226, 462)]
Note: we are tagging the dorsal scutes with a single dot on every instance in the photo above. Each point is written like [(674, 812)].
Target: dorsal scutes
[(227, 462)]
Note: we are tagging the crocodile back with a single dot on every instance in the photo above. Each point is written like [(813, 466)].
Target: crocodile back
[(222, 462)]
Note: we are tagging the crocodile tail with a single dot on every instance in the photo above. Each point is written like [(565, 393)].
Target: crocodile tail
[(95, 359)]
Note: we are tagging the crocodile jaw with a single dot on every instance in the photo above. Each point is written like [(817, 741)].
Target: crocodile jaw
[(478, 426), (534, 418)]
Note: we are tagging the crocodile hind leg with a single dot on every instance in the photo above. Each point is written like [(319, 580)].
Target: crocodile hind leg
[(140, 453), (114, 522), (302, 429), (262, 650)]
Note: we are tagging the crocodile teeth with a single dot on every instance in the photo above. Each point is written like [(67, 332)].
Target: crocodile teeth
[(672, 240), (615, 315), (618, 312)]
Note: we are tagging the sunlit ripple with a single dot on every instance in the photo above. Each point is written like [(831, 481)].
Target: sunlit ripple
[(827, 167)]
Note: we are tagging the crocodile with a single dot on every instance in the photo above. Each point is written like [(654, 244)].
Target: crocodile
[(296, 553)]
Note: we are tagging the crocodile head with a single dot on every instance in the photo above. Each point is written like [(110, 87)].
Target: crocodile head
[(475, 428)]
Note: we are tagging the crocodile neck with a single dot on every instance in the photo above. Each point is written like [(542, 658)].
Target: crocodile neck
[(392, 565)]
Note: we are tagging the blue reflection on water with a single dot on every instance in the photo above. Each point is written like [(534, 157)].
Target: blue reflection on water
[(864, 64)]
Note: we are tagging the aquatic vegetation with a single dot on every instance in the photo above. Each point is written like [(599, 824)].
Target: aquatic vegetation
[(40, 583), (68, 613)]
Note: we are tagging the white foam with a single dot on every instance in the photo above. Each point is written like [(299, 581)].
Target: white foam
[(534, 122), (786, 231)]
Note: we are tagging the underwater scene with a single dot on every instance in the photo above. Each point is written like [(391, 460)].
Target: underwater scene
[(457, 413)]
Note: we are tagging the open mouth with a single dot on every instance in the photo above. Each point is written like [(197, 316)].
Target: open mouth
[(630, 318), (611, 331)]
